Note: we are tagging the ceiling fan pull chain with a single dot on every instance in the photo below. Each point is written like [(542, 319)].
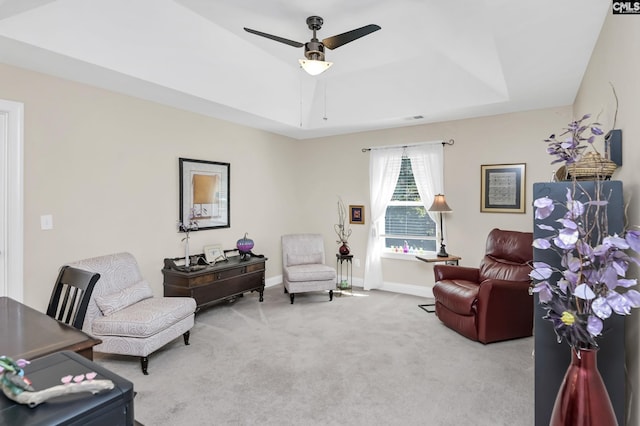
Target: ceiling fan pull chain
[(325, 101)]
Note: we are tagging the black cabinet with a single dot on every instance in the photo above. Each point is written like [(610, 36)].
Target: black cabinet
[(552, 358), (106, 408)]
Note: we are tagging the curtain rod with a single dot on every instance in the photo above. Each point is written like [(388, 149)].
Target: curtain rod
[(449, 142)]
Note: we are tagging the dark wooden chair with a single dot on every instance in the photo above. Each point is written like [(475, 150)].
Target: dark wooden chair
[(71, 295)]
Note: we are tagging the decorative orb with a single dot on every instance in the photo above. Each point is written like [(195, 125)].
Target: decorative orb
[(244, 244)]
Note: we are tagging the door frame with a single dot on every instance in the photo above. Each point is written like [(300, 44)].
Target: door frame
[(12, 254)]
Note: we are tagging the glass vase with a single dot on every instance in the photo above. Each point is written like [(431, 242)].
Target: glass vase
[(344, 249), (583, 399)]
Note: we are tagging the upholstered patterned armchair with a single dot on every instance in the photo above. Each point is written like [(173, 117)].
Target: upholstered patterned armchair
[(492, 302), (303, 267), (124, 314)]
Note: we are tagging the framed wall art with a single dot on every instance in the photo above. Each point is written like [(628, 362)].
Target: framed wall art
[(502, 188), (356, 215), (204, 193)]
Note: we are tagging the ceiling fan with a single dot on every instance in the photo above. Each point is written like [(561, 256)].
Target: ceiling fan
[(314, 63)]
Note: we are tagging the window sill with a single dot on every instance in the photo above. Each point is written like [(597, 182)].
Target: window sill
[(407, 256)]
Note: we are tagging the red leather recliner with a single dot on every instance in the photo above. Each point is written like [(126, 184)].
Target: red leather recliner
[(492, 302)]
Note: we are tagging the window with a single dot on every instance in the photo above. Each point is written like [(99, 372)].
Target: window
[(407, 225), (401, 180)]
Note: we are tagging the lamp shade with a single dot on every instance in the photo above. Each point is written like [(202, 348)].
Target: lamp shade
[(314, 67), (440, 204)]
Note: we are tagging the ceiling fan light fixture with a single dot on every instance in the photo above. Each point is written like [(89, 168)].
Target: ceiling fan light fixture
[(314, 67), (314, 62)]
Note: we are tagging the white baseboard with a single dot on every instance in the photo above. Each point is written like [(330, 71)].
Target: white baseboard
[(273, 281), (414, 290)]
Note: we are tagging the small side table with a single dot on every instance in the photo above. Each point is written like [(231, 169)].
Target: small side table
[(344, 267), (449, 260)]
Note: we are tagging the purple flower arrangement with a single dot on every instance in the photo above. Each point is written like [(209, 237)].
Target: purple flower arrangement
[(591, 284)]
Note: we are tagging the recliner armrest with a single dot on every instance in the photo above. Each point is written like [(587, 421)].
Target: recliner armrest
[(505, 310), (453, 272)]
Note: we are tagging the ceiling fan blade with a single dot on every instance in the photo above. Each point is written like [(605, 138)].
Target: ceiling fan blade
[(276, 38), (344, 38)]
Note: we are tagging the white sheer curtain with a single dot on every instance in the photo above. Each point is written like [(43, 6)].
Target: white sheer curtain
[(427, 164), (384, 169)]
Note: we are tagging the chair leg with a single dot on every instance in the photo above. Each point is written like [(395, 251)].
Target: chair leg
[(144, 362), (330, 295), (185, 336), (291, 297)]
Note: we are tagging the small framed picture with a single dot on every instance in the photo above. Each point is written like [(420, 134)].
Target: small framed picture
[(356, 215), (502, 188), (214, 253)]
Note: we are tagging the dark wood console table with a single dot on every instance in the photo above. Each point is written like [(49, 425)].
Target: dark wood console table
[(29, 334), (224, 280)]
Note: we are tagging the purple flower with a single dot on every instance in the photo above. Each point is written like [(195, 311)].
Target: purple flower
[(608, 276), (573, 263), (568, 223), (633, 239), (584, 249), (541, 271), (626, 283), (619, 304), (633, 297), (592, 263), (545, 227), (615, 241), (544, 291), (601, 308), (566, 238), (583, 291), (594, 325), (541, 243), (563, 284), (544, 207), (575, 208)]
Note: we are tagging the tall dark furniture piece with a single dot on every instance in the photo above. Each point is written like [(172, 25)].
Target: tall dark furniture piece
[(551, 358), (221, 281), (106, 408)]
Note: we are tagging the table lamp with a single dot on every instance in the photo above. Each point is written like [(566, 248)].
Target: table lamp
[(440, 205)]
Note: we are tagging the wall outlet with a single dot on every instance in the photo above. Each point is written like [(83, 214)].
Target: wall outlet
[(356, 262)]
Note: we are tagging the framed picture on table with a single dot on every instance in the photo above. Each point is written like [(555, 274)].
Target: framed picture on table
[(214, 253)]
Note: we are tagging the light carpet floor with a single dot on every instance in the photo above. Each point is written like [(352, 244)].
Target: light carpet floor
[(373, 358)]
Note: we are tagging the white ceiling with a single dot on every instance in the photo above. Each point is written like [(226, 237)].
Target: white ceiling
[(440, 60)]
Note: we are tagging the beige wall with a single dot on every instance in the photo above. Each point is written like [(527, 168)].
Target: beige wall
[(615, 61), (106, 167), (337, 166)]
